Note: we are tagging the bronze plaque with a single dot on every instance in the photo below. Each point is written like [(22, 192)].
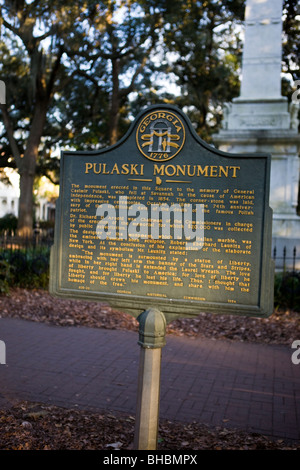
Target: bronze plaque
[(163, 219)]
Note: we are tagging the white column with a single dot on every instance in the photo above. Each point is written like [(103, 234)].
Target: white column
[(262, 50)]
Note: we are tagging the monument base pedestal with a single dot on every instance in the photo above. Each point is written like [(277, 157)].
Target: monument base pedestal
[(283, 145), (258, 113)]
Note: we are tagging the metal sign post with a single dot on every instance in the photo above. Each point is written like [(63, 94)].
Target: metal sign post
[(152, 330)]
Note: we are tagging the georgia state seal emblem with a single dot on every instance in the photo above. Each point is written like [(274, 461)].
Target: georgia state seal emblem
[(160, 135)]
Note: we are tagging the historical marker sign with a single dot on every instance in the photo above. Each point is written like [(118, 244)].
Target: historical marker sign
[(162, 219)]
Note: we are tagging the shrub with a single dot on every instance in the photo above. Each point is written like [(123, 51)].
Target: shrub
[(27, 268), (9, 222), (287, 290), (5, 276)]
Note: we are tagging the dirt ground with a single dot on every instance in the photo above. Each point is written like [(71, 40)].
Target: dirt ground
[(282, 327)]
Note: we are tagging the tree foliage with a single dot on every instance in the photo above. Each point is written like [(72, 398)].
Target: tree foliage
[(291, 39), (34, 36), (206, 53), (66, 66)]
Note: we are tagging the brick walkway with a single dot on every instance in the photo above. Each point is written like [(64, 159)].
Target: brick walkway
[(252, 387)]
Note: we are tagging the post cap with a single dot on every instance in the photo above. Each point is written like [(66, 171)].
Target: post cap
[(152, 329)]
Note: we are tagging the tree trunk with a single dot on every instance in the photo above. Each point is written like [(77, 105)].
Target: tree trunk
[(115, 104), (27, 169), (25, 220)]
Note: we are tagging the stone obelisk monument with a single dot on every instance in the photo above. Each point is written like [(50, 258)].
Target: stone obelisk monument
[(260, 119)]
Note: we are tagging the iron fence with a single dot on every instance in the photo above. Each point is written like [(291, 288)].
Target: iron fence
[(285, 262), (287, 278), (15, 243)]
